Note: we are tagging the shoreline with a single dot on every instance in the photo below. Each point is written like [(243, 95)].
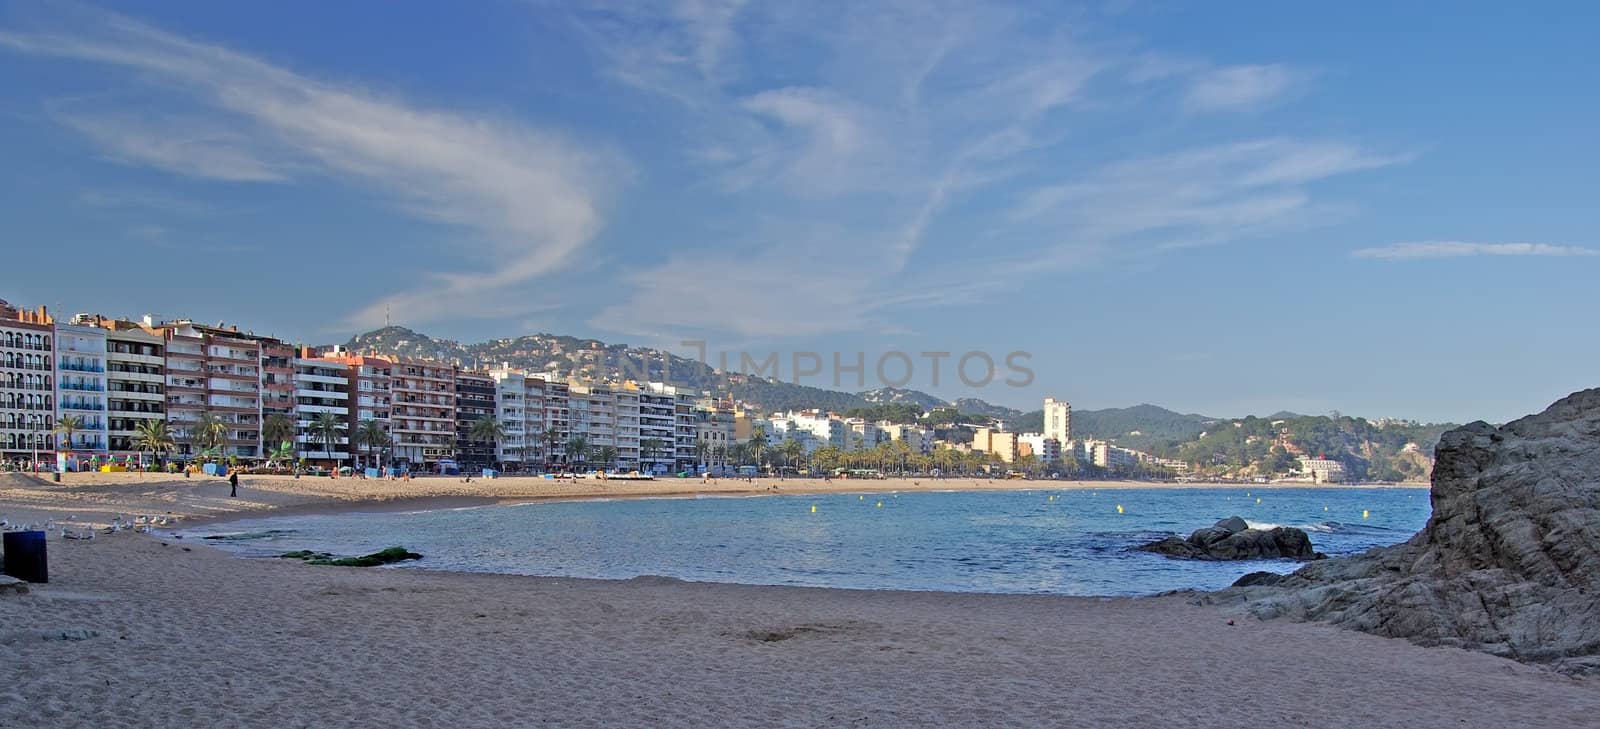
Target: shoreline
[(98, 497)]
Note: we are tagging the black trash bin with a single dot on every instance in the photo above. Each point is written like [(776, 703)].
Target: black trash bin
[(25, 556), (55, 476)]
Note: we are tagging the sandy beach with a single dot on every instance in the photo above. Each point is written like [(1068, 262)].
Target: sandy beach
[(134, 630)]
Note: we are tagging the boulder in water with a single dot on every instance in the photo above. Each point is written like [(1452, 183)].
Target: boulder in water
[(1508, 564), (1233, 539)]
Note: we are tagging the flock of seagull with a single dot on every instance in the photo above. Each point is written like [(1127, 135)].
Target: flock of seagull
[(68, 528)]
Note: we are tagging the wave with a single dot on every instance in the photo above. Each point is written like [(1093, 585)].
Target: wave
[(1326, 527)]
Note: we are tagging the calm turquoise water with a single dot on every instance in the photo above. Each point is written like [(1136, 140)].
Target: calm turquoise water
[(1013, 542)]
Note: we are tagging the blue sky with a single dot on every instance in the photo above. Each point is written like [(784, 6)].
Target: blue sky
[(1221, 208)]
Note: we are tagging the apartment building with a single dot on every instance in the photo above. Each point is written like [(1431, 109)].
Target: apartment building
[(136, 389), (593, 416), (999, 442), (628, 431), (514, 404), (422, 417), (80, 350), (370, 383), (658, 427), (277, 380), (918, 438), (27, 382), (321, 387), (830, 430), (475, 393), (1040, 446), (217, 371), (557, 421), (714, 429)]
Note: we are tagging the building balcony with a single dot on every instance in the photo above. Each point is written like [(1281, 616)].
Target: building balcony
[(147, 359), (80, 368), (324, 394)]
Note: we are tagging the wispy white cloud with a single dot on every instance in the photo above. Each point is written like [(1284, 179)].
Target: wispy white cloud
[(1198, 196), (194, 147), (532, 195), (1240, 87), (1458, 249)]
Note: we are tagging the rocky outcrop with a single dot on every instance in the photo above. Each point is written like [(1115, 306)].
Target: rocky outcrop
[(1509, 563), (1232, 539)]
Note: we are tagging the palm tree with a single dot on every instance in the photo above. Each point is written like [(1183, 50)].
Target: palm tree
[(209, 432), (66, 425), (327, 427), (577, 450), (552, 439), (283, 452), (758, 443), (155, 437), (277, 428), (702, 449), (607, 456), (791, 450), (371, 435), (488, 430), (649, 448)]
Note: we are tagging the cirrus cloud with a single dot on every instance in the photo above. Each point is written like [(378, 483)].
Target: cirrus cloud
[(1459, 249)]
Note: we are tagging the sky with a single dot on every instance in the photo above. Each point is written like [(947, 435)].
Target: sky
[(1385, 209)]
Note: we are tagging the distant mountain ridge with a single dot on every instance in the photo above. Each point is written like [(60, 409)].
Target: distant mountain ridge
[(1374, 449), (567, 356)]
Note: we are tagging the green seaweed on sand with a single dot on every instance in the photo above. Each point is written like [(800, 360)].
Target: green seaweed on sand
[(376, 559)]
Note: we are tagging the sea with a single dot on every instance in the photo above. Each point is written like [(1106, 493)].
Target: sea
[(1070, 541)]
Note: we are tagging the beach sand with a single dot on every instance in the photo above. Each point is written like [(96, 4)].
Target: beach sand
[(134, 632)]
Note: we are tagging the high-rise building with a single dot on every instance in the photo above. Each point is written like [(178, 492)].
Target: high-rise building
[(27, 383), (369, 381), (213, 370), (321, 388), (475, 393), (1058, 420), (135, 382), (423, 414), (81, 386)]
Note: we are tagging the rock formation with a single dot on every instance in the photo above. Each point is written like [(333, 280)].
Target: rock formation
[(1509, 563), (1232, 539)]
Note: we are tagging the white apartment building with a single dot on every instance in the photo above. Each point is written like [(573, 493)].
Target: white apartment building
[(593, 410), (321, 387), (135, 382), (830, 430), (1043, 447), (81, 386), (658, 423), (513, 405), (628, 427), (918, 438), (1057, 420)]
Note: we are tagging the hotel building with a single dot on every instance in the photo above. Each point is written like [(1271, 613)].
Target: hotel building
[(81, 385), (1058, 420)]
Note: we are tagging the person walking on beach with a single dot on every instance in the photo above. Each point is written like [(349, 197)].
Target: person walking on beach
[(233, 484)]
